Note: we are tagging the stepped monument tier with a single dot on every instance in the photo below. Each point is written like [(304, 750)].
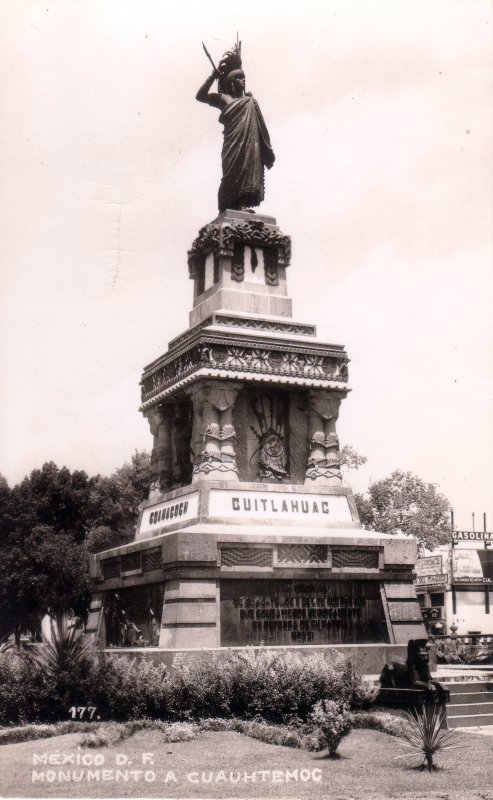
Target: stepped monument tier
[(249, 535)]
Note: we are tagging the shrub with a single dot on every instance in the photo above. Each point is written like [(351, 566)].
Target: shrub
[(280, 686), (112, 733), (125, 689), (454, 651), (392, 723), (26, 691), (333, 720), (199, 688), (277, 686), (27, 733)]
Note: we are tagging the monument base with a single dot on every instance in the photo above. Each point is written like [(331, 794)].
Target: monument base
[(221, 565)]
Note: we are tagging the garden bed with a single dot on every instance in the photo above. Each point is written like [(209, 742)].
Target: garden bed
[(368, 768)]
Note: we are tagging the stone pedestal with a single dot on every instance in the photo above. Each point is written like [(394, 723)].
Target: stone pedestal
[(249, 535)]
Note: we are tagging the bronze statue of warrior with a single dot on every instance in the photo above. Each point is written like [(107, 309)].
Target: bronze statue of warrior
[(246, 148)]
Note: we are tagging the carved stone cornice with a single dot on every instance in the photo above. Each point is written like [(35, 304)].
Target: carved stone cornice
[(242, 355), (219, 238)]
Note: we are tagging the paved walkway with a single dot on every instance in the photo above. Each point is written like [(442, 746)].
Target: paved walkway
[(484, 730)]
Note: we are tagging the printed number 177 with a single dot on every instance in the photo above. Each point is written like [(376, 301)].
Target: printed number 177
[(79, 712)]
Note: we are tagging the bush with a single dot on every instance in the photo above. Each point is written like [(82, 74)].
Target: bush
[(27, 733), (277, 686), (454, 651), (199, 688), (281, 686), (26, 691), (110, 734), (124, 689), (392, 723), (333, 720)]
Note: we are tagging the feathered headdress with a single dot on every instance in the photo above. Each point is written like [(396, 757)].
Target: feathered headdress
[(229, 62)]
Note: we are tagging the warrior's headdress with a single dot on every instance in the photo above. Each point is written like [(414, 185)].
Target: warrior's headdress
[(229, 63)]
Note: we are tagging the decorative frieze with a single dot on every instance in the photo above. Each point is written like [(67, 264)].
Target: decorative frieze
[(302, 554), (350, 557), (286, 359), (238, 556)]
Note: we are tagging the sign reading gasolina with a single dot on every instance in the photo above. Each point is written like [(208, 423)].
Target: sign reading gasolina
[(279, 506)]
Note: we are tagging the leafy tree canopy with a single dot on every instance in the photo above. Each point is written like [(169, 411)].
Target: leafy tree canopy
[(54, 497), (403, 502), (44, 572), (114, 501), (350, 459)]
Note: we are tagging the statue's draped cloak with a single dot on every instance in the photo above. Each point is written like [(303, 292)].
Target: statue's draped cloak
[(246, 151)]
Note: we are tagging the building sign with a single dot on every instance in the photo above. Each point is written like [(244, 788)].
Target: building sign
[(472, 536), (432, 580), (473, 566), (169, 512), (282, 612), (429, 565), (279, 506)]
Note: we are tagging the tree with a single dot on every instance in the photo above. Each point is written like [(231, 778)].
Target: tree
[(45, 572), (54, 497), (403, 502), (350, 459), (114, 502)]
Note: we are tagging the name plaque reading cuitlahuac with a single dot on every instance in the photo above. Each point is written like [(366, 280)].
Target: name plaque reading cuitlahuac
[(279, 506), (282, 612), (169, 512)]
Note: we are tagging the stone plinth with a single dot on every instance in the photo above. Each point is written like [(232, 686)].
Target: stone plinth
[(249, 535)]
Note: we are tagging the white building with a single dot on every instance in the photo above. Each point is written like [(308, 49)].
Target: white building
[(454, 584)]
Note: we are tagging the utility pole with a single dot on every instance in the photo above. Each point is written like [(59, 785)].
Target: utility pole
[(452, 545)]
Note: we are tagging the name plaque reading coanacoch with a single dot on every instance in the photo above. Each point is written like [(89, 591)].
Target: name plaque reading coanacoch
[(170, 511), (279, 506)]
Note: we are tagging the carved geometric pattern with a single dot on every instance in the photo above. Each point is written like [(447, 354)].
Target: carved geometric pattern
[(302, 554), (152, 559), (131, 562), (405, 611), (111, 568), (245, 557), (241, 428), (297, 441), (265, 325), (346, 557), (215, 354)]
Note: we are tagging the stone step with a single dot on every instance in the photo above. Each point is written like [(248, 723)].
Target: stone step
[(468, 686), (467, 720), (471, 697), (470, 708)]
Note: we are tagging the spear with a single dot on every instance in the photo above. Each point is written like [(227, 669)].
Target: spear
[(209, 57)]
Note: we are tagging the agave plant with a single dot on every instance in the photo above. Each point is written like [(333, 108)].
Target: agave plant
[(6, 644), (65, 649), (426, 735)]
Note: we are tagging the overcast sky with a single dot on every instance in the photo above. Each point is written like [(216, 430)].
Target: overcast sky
[(381, 118)]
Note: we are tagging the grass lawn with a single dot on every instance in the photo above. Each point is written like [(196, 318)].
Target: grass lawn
[(366, 769)]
